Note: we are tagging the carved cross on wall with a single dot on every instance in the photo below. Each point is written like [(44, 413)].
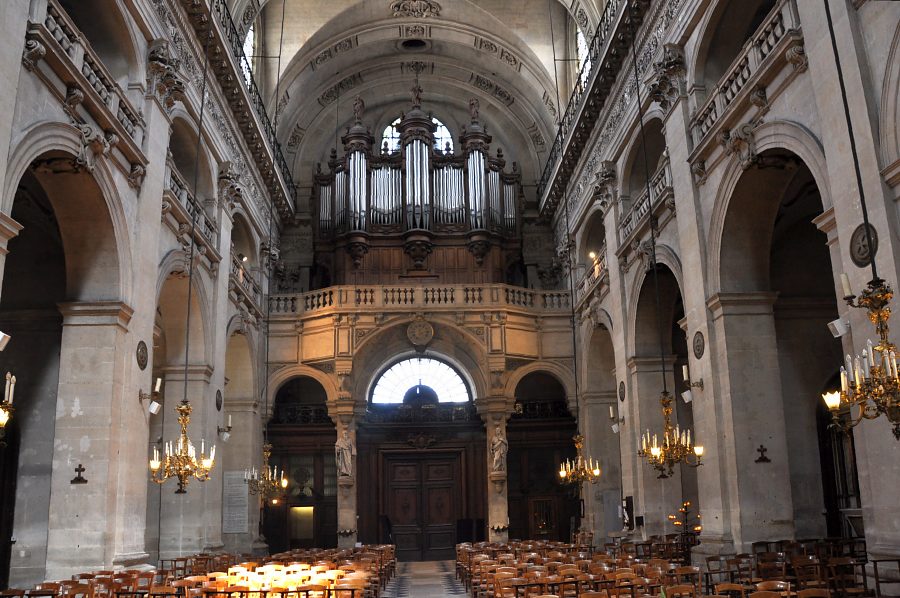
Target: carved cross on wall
[(79, 479), (762, 455)]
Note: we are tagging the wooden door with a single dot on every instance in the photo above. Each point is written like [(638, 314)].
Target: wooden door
[(422, 502)]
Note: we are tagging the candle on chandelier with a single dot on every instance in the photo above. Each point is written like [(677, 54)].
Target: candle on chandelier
[(6, 389), (229, 420), (845, 285), (612, 415), (894, 362), (685, 373), (158, 385), (12, 390), (865, 364), (844, 383)]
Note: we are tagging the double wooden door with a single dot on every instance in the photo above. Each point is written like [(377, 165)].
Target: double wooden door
[(422, 498)]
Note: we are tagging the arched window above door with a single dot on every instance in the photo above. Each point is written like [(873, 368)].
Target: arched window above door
[(423, 376)]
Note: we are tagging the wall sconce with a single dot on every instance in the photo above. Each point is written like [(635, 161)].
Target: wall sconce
[(687, 380), (154, 406), (617, 421), (225, 433)]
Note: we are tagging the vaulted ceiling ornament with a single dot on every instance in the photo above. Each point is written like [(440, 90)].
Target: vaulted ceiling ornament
[(418, 9)]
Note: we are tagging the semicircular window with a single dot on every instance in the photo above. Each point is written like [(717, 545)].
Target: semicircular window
[(443, 140), (418, 376)]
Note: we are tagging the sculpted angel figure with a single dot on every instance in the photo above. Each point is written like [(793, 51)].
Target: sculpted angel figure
[(499, 448)]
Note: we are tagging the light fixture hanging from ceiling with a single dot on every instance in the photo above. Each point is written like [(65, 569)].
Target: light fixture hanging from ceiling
[(676, 446), (871, 383), (181, 460), (265, 481)]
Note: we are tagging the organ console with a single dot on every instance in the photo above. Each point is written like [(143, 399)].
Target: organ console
[(418, 197)]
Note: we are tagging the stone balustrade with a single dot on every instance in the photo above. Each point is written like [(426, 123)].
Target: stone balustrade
[(595, 273), (660, 189), (244, 284), (88, 81), (431, 297), (193, 211), (759, 54)]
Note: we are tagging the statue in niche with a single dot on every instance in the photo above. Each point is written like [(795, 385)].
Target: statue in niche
[(474, 107), (359, 108), (499, 449), (343, 454)]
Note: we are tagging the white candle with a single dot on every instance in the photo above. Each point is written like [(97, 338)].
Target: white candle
[(612, 414), (12, 390), (894, 363), (849, 361), (844, 383), (845, 285), (684, 372), (229, 420), (158, 385), (865, 364)]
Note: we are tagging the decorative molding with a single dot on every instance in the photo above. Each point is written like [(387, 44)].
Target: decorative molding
[(162, 74), (796, 55), (489, 87), (345, 45), (34, 51), (136, 176), (667, 83), (339, 89), (742, 142)]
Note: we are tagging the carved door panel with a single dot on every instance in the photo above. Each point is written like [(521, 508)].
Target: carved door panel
[(421, 499)]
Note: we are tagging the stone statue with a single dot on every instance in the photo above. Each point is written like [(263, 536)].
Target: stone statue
[(474, 107), (359, 108), (343, 454), (416, 93), (499, 448)]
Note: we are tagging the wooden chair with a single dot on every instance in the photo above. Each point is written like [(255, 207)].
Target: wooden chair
[(814, 593), (81, 590), (887, 575), (161, 590), (681, 591), (847, 577), (765, 594), (12, 593), (735, 590), (773, 585), (808, 572)]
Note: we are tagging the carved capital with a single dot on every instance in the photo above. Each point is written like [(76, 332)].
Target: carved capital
[(162, 74), (796, 55), (136, 176), (667, 82)]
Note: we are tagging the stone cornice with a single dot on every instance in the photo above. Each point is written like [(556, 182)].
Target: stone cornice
[(96, 313), (728, 304), (9, 228)]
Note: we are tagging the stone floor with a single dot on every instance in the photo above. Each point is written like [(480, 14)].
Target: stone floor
[(432, 579)]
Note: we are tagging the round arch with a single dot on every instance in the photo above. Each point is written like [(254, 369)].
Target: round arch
[(457, 368), (47, 138), (889, 123), (562, 373), (280, 377), (775, 135), (667, 257)]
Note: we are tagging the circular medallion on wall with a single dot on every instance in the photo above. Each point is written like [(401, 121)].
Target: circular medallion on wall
[(420, 333), (859, 245), (141, 355), (622, 391), (699, 345), (218, 400)]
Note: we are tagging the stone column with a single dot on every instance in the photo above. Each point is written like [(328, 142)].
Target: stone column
[(242, 451), (601, 500), (183, 527), (760, 504), (348, 518), (654, 497), (91, 429), (498, 490)]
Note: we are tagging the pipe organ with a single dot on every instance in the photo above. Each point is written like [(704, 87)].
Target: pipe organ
[(418, 200)]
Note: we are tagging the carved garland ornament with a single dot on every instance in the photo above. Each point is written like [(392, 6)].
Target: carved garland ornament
[(418, 9)]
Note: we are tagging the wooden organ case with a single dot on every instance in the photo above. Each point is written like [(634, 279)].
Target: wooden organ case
[(417, 214)]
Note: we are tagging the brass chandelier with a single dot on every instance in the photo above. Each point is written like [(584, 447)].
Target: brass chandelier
[(582, 469), (181, 460), (266, 481), (676, 446), (870, 383)]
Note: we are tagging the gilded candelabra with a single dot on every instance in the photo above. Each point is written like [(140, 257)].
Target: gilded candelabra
[(181, 460), (676, 444), (582, 469), (870, 382), (266, 482)]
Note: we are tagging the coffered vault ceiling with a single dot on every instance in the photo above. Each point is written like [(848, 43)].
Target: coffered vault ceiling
[(496, 50)]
